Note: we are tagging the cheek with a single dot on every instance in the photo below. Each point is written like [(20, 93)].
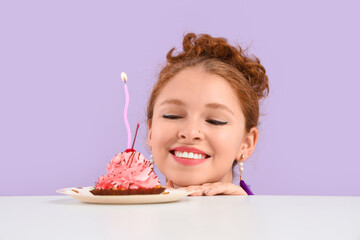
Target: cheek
[(226, 143), (223, 137), (162, 138), (161, 134)]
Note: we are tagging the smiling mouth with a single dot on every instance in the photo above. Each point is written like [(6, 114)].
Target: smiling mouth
[(189, 155)]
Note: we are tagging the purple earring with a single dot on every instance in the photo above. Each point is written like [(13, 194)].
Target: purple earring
[(242, 182)]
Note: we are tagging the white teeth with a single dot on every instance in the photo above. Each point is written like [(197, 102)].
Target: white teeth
[(189, 155)]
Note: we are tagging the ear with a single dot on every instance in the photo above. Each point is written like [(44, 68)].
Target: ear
[(149, 134), (248, 144)]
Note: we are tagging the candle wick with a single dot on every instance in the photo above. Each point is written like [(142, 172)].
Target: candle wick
[(137, 128)]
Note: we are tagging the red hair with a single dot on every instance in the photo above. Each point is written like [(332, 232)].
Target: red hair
[(216, 56)]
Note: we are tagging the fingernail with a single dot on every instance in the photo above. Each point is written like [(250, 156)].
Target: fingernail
[(206, 191)]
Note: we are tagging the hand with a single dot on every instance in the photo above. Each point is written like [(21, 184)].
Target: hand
[(211, 189)]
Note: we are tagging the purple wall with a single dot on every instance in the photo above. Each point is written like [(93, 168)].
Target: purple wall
[(61, 97)]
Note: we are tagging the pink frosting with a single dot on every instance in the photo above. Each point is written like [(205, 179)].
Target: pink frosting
[(127, 170)]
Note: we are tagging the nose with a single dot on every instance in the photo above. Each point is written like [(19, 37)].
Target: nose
[(191, 131)]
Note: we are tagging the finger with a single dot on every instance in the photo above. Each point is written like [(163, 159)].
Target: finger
[(226, 189), (207, 184), (169, 184), (197, 193), (211, 184), (191, 189), (196, 190), (206, 187), (206, 191)]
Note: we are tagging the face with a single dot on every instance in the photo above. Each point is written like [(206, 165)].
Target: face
[(197, 129)]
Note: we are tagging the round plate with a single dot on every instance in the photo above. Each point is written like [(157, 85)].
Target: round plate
[(83, 194)]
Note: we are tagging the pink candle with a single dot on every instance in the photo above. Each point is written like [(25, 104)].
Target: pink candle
[(124, 78)]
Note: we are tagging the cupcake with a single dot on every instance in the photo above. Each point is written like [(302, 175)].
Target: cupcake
[(128, 173)]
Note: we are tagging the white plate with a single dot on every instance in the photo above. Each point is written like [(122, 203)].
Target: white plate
[(84, 195)]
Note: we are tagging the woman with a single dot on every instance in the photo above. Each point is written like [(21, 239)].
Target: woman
[(203, 114)]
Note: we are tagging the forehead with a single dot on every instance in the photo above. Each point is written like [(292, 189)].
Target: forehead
[(195, 87)]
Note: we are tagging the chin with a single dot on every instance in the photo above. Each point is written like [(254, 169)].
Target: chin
[(187, 181)]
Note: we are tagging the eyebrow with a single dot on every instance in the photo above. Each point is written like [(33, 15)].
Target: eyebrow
[(173, 101), (219, 106), (209, 105)]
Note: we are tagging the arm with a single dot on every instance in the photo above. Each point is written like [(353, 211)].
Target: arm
[(211, 189)]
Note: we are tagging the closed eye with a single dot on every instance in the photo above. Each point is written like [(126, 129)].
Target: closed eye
[(216, 122), (170, 116)]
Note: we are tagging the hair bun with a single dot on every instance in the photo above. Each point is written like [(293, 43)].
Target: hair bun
[(205, 46)]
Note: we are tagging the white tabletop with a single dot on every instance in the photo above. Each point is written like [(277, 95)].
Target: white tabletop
[(217, 217)]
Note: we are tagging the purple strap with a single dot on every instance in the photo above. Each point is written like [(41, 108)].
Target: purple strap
[(245, 187)]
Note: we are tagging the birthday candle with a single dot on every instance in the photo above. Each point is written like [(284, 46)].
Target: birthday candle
[(124, 79)]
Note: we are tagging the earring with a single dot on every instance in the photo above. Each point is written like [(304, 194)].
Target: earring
[(151, 159), (241, 166), (242, 182)]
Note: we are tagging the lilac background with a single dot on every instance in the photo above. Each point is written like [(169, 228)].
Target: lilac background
[(62, 99)]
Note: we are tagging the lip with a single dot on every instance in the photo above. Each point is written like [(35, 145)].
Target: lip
[(187, 161), (188, 149)]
